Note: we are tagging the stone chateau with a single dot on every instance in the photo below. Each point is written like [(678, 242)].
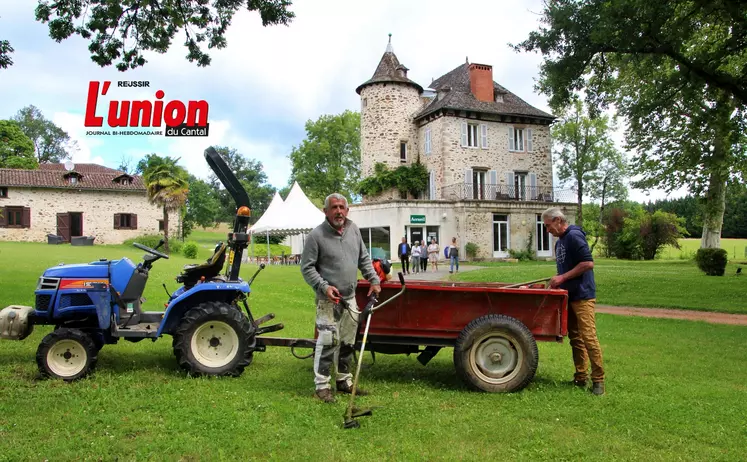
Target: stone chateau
[(488, 156), (89, 200)]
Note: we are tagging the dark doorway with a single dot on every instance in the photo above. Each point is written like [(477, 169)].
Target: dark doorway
[(69, 225), (76, 224)]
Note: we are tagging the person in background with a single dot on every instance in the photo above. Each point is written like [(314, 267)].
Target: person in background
[(423, 257), (433, 254), (576, 275), (403, 252), (453, 256), (415, 262)]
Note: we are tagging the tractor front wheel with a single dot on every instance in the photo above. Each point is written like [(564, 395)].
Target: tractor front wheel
[(67, 354), (214, 338)]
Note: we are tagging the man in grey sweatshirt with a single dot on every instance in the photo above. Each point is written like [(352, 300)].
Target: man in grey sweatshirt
[(333, 253)]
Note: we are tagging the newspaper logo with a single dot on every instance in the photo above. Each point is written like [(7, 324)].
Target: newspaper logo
[(146, 117)]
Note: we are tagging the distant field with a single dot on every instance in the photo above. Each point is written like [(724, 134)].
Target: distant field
[(736, 248)]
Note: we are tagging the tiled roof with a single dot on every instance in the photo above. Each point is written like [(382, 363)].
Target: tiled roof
[(389, 70), (460, 97), (81, 168), (91, 176)]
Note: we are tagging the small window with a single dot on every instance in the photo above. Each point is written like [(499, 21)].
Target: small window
[(428, 140), (160, 225), (403, 151), (472, 135), (3, 192), (14, 217), (125, 221)]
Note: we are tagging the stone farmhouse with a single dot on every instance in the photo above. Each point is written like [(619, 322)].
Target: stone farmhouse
[(89, 200), (487, 151)]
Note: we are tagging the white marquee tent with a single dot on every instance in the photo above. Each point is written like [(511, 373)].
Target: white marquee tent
[(296, 215)]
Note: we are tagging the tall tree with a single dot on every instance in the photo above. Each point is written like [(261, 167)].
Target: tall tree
[(676, 70), (126, 164), (16, 149), (52, 144), (123, 30), (329, 159), (251, 175), (5, 51), (585, 147), (700, 42), (202, 203), (167, 186)]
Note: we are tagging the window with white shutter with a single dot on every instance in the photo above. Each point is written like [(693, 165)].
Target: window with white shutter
[(427, 140), (464, 134), (484, 136), (530, 147)]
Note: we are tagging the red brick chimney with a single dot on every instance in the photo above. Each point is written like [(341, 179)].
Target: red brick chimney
[(481, 82)]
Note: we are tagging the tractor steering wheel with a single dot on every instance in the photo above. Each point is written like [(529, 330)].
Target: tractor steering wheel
[(150, 251)]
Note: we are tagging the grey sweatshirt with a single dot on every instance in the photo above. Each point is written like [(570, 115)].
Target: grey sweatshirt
[(332, 259)]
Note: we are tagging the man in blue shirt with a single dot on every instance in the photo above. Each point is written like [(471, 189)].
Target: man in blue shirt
[(576, 275)]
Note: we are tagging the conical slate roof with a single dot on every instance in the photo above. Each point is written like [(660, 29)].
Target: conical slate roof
[(389, 70)]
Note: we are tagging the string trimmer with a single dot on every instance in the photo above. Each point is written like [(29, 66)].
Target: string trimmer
[(354, 413)]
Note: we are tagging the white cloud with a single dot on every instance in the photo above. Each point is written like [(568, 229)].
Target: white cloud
[(73, 125), (191, 151)]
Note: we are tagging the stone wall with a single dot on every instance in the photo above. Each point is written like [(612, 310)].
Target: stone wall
[(467, 221), (97, 208), (496, 156), (435, 160), (387, 111)]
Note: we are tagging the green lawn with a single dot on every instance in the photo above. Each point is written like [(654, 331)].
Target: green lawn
[(673, 391), (663, 284)]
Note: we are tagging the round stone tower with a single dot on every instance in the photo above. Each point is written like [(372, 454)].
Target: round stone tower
[(389, 100)]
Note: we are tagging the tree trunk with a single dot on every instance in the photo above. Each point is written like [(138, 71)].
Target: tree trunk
[(165, 230), (715, 204), (580, 214), (713, 213), (601, 215)]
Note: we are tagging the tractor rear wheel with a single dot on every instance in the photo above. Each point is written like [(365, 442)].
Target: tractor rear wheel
[(496, 353), (214, 338), (67, 354)]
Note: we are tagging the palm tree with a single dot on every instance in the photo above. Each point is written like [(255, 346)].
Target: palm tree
[(167, 187)]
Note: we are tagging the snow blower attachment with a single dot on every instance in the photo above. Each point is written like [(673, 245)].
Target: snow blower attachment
[(353, 413)]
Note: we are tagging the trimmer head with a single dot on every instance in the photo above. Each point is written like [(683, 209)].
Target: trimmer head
[(350, 422)]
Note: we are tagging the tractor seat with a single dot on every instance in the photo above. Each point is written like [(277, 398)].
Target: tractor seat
[(211, 268)]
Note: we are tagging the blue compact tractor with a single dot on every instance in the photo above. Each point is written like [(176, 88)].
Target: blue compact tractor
[(99, 303)]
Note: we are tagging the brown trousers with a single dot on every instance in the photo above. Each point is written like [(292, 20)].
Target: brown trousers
[(582, 333)]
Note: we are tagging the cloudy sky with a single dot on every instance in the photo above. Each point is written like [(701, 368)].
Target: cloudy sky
[(268, 82)]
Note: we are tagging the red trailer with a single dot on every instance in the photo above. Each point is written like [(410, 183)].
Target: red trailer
[(493, 327)]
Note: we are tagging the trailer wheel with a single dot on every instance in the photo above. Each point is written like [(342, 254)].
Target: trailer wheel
[(67, 354), (214, 338), (496, 353)]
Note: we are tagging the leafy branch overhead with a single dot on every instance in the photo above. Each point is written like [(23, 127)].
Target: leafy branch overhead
[(123, 30)]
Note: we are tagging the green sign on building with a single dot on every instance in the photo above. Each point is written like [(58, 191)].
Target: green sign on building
[(417, 219)]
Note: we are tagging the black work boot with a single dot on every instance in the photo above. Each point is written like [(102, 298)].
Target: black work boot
[(343, 387), (598, 388), (579, 383), (325, 395)]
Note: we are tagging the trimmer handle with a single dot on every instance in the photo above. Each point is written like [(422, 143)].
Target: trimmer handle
[(401, 278)]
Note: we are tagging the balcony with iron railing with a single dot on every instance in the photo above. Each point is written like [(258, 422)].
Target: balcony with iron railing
[(502, 192)]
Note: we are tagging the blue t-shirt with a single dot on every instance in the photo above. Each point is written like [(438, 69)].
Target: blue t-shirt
[(570, 250)]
